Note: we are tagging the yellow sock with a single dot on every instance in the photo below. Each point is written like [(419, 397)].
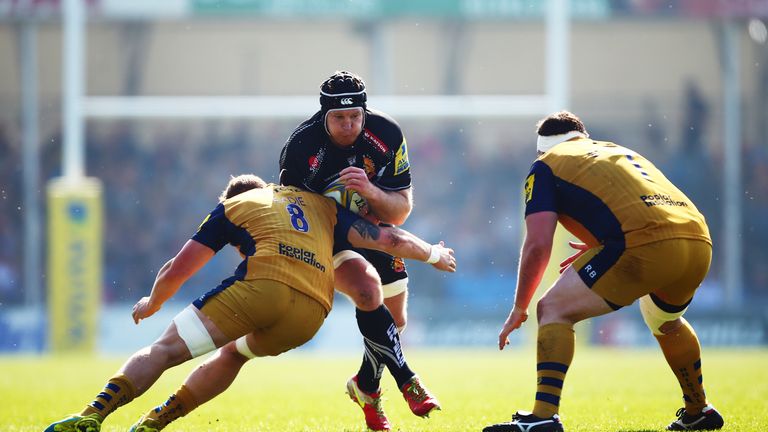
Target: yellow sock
[(683, 353), (118, 392), (178, 405), (553, 357)]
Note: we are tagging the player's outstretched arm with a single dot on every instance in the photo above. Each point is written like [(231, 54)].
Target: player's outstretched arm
[(534, 256), (398, 242), (191, 258)]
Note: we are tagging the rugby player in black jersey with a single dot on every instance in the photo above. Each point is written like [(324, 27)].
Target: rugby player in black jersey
[(346, 144)]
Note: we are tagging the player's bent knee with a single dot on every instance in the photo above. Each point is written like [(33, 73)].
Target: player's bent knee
[(365, 296), (546, 309), (193, 332), (358, 280), (658, 320)]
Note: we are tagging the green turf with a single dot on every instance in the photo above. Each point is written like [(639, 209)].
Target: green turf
[(606, 390)]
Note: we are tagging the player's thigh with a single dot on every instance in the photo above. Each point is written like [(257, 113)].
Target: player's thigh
[(570, 300), (245, 306), (358, 279), (297, 326)]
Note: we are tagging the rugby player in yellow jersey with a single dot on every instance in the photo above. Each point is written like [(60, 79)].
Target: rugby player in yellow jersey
[(642, 239), (276, 301)]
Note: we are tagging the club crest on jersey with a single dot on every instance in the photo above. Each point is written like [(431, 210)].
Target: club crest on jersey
[(375, 141), (398, 265), (529, 187), (369, 167), (401, 159)]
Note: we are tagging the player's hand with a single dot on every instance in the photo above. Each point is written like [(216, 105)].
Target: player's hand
[(144, 309), (515, 319), (447, 261), (580, 247), (354, 178)]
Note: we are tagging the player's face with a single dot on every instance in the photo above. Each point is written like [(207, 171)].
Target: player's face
[(344, 126)]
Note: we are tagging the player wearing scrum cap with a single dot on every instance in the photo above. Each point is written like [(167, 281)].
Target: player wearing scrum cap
[(346, 142), (642, 239)]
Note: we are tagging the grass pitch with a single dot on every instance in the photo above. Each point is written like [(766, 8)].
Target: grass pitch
[(606, 390)]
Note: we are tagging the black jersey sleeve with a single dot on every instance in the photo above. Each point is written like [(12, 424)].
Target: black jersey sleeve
[(540, 190), (397, 175), (216, 230), (290, 169), (387, 135)]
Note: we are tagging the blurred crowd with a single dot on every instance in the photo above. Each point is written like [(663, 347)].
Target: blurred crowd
[(161, 179)]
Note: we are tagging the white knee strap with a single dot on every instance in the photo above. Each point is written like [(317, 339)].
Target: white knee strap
[(654, 317), (242, 347), (193, 332)]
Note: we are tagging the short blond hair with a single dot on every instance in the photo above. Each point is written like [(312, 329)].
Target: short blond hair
[(240, 184)]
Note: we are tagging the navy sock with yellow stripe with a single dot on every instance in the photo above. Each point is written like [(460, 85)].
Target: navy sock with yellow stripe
[(554, 355)]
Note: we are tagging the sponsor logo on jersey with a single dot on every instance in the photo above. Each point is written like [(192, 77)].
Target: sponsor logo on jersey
[(203, 222), (529, 187), (301, 255), (661, 200), (314, 163), (401, 159), (398, 264), (375, 141)]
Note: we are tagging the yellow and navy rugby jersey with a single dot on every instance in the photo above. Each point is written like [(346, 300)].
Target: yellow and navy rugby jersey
[(606, 193), (286, 234)]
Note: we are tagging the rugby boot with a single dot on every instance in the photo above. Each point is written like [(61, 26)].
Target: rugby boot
[(145, 425), (707, 419), (371, 405), (77, 423), (419, 399), (523, 421)]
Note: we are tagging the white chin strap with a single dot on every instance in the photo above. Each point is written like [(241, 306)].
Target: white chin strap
[(544, 143)]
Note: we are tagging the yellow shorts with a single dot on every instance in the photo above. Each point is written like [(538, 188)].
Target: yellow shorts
[(280, 317), (671, 269)]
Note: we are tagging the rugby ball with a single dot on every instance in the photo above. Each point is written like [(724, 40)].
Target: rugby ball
[(348, 199)]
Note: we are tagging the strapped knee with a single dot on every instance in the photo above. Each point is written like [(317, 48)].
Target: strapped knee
[(656, 313), (193, 332), (241, 344)]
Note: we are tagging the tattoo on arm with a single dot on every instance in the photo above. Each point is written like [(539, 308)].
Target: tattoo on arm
[(366, 229)]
